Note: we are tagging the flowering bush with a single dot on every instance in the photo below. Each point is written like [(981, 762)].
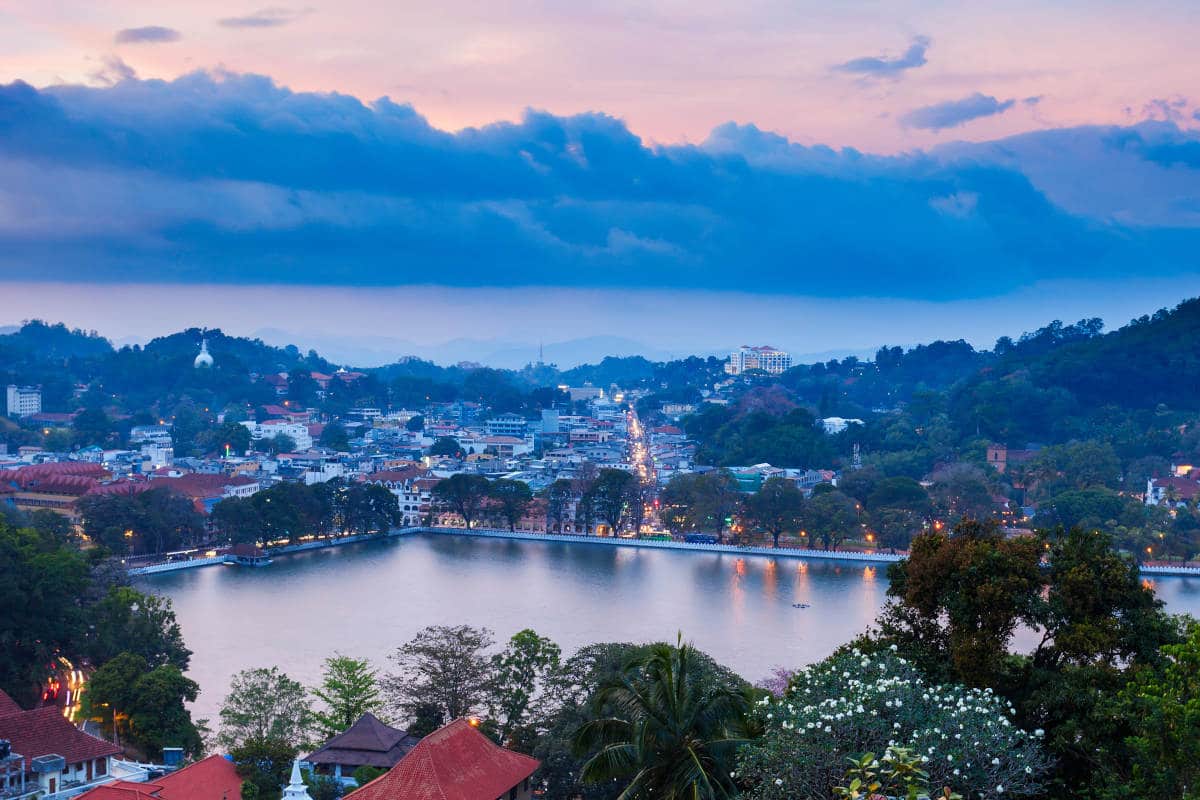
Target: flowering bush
[(856, 703)]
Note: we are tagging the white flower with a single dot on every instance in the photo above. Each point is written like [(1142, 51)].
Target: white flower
[(995, 762), (779, 781), (1039, 733), (1029, 770), (1000, 788), (894, 648)]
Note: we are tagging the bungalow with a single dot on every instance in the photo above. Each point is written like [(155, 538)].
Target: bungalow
[(43, 755), (455, 762)]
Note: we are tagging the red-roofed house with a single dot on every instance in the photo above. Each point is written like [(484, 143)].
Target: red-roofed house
[(206, 490), (57, 758), (455, 762), (213, 778)]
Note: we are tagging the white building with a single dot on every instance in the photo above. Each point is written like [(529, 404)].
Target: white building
[(271, 428), (507, 425), (24, 401), (763, 357), (834, 425)]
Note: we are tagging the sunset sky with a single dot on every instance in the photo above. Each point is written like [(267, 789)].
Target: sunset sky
[(934, 152)]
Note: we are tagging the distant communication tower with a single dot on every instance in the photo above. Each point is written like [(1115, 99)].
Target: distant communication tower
[(857, 462)]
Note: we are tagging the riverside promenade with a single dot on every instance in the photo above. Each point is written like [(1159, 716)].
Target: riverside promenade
[(853, 556)]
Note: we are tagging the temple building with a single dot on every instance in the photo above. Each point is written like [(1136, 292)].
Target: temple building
[(366, 743)]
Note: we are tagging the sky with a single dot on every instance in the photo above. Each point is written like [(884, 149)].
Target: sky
[(883, 155)]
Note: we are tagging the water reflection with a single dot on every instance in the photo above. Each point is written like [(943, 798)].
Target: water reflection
[(364, 600)]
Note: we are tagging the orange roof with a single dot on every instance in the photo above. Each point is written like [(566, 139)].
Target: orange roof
[(213, 778), (45, 731), (455, 762)]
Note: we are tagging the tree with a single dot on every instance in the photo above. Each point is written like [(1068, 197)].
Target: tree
[(664, 734), (776, 507), (443, 666), (558, 499), (370, 508), (280, 443), (463, 493), (92, 427), (144, 706), (415, 423), (334, 437), (265, 765), (522, 671), (128, 621), (610, 495), (264, 705), (958, 599), (446, 446), (1160, 707), (158, 717), (153, 521), (832, 517), (53, 526), (232, 435), (512, 499), (349, 688), (238, 520), (961, 491)]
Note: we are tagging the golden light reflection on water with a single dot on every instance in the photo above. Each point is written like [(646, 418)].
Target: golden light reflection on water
[(770, 579), (869, 574)]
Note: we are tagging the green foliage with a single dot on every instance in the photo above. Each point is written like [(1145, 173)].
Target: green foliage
[(144, 706), (963, 738), (832, 517), (157, 521), (40, 583), (897, 773), (521, 674), (446, 667), (512, 499), (1160, 709), (727, 438), (334, 437), (265, 764), (364, 775), (446, 446), (700, 502), (264, 705), (462, 493), (662, 732), (776, 507), (128, 621), (349, 688)]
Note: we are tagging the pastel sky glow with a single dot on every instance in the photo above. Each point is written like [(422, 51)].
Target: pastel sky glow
[(841, 74), (911, 151)]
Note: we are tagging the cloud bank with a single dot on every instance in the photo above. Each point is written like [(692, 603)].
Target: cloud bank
[(232, 178)]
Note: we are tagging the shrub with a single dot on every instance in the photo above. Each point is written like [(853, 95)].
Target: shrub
[(855, 703)]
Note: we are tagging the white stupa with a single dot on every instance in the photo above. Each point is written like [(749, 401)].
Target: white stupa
[(296, 790), (204, 359)]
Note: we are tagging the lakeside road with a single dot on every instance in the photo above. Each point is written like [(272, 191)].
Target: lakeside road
[(853, 556)]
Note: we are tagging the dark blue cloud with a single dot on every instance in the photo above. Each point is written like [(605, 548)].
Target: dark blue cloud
[(232, 178), (884, 67), (953, 113), (147, 34)]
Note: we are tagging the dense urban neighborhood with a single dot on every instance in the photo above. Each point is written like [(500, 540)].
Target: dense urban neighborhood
[(1028, 486)]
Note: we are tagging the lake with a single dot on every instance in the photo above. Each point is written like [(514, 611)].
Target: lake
[(366, 599)]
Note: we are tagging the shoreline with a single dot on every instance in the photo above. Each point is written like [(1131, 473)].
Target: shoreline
[(603, 541)]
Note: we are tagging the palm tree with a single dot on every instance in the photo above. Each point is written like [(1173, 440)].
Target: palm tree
[(661, 728)]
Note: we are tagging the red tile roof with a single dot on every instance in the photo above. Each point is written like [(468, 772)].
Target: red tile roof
[(455, 762), (8, 705), (395, 475), (198, 485), (214, 778), (45, 731)]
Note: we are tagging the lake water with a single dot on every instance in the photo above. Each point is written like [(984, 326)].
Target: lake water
[(366, 599)]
